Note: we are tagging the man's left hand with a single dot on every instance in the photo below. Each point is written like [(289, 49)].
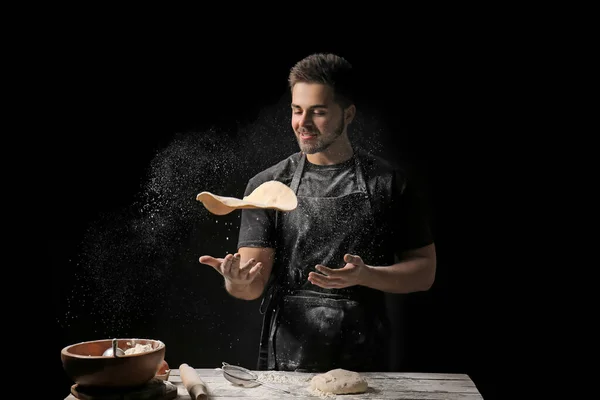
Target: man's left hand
[(350, 274)]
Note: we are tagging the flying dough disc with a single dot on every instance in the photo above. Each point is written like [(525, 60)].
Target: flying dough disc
[(271, 194)]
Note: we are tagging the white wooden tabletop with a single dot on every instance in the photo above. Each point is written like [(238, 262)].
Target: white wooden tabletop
[(382, 385)]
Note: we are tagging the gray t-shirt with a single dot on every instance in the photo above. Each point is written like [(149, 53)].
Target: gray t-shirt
[(401, 217)]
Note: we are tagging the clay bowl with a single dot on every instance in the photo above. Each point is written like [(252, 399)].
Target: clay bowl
[(85, 365)]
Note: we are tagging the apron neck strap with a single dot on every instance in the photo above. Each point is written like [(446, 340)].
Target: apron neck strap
[(360, 176), (298, 173)]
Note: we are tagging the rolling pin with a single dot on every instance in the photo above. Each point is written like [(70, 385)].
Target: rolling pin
[(192, 382)]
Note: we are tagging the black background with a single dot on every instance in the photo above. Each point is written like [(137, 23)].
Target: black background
[(448, 105)]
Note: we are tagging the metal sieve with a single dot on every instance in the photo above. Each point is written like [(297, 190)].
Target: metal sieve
[(244, 377)]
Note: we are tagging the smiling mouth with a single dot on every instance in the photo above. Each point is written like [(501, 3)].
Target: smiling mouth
[(307, 136)]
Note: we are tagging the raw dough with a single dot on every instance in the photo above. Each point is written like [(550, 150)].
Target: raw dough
[(339, 381), (271, 194)]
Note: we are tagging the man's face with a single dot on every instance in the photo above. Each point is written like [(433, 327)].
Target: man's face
[(316, 119)]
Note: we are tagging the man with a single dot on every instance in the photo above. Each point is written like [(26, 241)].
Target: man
[(323, 269)]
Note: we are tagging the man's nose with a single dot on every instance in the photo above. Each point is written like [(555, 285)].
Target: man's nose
[(305, 120)]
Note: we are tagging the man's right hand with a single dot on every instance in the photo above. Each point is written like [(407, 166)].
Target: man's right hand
[(233, 270)]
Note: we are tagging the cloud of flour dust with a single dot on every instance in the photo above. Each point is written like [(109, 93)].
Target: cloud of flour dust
[(128, 258)]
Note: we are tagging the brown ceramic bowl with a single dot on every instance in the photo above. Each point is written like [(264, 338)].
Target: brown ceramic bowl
[(85, 365)]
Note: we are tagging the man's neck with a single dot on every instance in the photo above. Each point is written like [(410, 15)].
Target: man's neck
[(338, 152)]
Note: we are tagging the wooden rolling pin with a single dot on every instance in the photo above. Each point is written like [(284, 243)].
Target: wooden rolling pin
[(192, 382)]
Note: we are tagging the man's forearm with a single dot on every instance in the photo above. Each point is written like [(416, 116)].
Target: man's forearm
[(412, 275), (251, 291)]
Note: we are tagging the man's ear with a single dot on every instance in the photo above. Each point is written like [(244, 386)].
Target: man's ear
[(349, 114)]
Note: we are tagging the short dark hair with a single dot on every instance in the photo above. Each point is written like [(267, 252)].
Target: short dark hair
[(328, 69)]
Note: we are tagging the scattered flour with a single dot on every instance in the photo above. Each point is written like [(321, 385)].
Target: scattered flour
[(298, 380), (277, 377), (321, 394)]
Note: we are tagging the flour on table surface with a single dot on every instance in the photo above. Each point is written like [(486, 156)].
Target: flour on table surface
[(301, 381), (275, 377), (321, 394)]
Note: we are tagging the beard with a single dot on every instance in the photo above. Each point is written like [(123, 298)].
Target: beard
[(322, 142)]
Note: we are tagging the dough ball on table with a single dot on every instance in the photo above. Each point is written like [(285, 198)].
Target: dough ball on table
[(339, 381)]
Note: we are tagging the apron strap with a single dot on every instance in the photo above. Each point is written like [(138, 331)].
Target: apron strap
[(361, 181), (298, 173), (360, 178)]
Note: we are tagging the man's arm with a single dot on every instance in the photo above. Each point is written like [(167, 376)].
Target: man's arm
[(415, 267), (251, 256), (413, 273)]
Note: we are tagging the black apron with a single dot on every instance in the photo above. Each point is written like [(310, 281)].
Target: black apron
[(310, 329)]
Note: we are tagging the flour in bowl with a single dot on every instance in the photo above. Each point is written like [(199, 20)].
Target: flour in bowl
[(139, 348)]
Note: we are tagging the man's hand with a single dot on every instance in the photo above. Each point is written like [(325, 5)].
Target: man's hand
[(232, 271), (351, 274)]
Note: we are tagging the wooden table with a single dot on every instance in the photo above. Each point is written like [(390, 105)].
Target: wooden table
[(382, 385)]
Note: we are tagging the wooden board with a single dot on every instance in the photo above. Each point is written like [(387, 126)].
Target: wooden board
[(153, 390)]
